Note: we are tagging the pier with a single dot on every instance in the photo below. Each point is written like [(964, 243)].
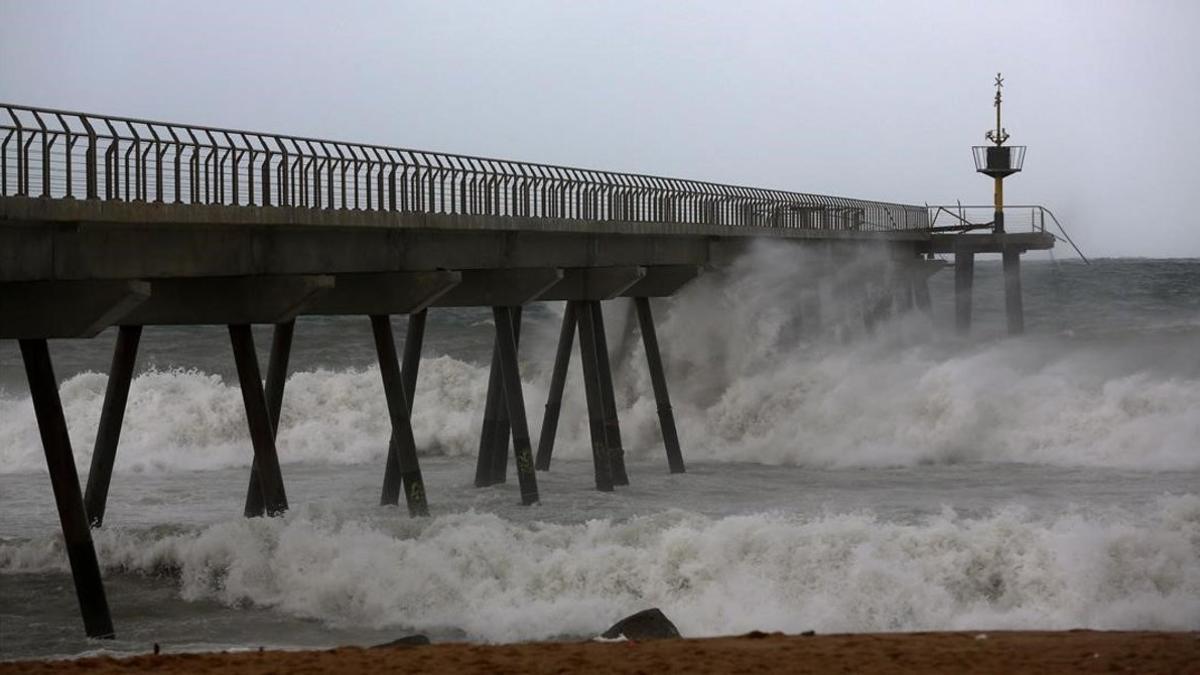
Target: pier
[(117, 222)]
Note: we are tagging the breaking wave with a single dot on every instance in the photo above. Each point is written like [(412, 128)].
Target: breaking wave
[(497, 580)]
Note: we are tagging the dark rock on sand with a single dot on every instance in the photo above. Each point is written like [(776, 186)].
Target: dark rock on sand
[(406, 641), (648, 624)]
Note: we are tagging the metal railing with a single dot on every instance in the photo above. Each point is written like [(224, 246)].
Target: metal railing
[(63, 155), (957, 218), (961, 218)]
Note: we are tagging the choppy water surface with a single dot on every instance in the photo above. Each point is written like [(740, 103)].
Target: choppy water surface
[(908, 480)]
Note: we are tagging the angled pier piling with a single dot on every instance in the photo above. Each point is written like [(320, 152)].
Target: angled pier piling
[(409, 467), (413, 341), (277, 369), (258, 419), (112, 415), (81, 552), (558, 379), (514, 399)]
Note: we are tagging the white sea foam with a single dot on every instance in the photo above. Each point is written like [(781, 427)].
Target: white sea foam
[(498, 580)]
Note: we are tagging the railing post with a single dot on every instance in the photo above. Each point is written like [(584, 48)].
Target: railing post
[(282, 188), (266, 176), (69, 144), (45, 155), (159, 151), (178, 166)]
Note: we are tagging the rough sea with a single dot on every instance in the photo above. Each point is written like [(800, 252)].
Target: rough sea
[(837, 481)]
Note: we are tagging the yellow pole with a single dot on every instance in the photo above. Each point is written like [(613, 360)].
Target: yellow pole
[(999, 219)]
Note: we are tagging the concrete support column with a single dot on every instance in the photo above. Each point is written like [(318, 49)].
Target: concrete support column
[(56, 443), (277, 367), (902, 289), (920, 288), (868, 310), (104, 453), (1013, 303), (964, 280)]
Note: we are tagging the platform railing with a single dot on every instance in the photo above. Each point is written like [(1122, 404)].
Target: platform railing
[(58, 154), (958, 218), (964, 218)]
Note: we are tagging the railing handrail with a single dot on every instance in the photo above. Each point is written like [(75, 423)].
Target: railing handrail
[(283, 154)]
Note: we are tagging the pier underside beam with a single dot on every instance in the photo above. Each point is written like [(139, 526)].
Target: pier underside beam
[(500, 287), (398, 410), (66, 309), (262, 436), (594, 283), (514, 399), (277, 369), (228, 300), (391, 293), (56, 443), (558, 379), (662, 281), (116, 394), (413, 341), (658, 381), (987, 243)]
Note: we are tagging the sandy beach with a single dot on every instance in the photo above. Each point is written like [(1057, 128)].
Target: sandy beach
[(960, 652)]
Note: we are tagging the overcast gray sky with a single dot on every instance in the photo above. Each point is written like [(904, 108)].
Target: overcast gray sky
[(877, 100)]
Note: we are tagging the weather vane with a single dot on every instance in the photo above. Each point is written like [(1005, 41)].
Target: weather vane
[(997, 135)]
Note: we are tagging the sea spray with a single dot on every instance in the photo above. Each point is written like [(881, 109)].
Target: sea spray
[(745, 389)]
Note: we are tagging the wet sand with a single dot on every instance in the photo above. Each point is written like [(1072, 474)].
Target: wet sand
[(1000, 652)]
